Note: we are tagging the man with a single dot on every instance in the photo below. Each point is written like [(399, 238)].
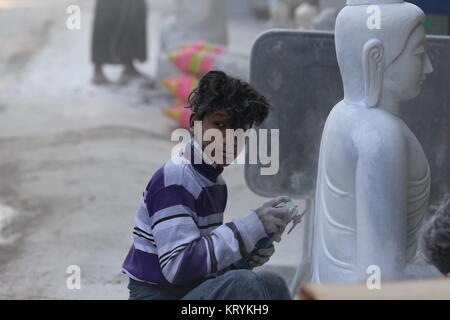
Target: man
[(181, 248)]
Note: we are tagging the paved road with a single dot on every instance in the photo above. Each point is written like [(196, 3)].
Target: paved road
[(74, 158)]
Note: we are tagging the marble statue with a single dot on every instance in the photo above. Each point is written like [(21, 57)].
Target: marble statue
[(373, 183)]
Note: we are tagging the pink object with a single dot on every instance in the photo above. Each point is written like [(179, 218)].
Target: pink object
[(181, 86), (180, 114), (193, 62), (205, 46)]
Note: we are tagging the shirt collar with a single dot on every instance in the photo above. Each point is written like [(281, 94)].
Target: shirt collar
[(200, 161)]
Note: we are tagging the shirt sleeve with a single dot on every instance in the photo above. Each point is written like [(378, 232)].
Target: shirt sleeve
[(185, 256)]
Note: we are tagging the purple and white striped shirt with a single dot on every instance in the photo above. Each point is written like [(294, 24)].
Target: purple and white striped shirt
[(179, 236)]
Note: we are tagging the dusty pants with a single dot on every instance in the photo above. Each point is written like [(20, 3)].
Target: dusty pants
[(233, 285)]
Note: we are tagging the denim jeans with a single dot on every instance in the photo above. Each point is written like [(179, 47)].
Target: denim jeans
[(233, 285)]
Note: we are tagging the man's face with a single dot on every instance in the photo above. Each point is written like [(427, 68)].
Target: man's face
[(220, 122)]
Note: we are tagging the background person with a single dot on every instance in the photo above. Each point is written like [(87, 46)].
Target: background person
[(119, 37)]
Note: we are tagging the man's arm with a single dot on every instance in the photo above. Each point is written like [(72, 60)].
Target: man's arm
[(381, 202), (185, 256)]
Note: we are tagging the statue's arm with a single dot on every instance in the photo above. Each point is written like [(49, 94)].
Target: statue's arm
[(381, 199)]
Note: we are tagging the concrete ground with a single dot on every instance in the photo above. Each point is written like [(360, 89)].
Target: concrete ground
[(74, 158)]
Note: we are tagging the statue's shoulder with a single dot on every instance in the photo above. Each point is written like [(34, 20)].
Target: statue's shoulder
[(379, 132), (361, 118)]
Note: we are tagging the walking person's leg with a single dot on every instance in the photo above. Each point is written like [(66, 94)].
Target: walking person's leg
[(130, 72), (132, 39), (99, 75), (105, 19)]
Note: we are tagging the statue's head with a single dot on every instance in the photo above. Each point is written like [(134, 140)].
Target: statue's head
[(381, 50)]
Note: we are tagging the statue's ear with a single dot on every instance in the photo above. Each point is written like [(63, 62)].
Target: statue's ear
[(373, 67)]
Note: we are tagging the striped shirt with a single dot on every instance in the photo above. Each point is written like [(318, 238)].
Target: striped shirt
[(179, 236)]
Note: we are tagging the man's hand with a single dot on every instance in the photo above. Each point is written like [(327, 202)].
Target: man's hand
[(262, 256), (273, 219)]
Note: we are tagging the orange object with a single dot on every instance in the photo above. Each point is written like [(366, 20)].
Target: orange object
[(180, 114), (181, 86), (178, 101), (417, 289), (193, 62), (205, 46)]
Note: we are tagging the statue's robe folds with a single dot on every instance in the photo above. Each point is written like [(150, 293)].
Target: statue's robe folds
[(335, 236)]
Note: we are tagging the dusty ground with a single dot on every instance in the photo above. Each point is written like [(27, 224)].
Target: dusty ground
[(74, 158)]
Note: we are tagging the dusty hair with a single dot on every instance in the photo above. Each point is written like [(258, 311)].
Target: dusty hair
[(217, 91)]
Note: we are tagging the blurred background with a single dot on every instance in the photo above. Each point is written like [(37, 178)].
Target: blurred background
[(90, 92)]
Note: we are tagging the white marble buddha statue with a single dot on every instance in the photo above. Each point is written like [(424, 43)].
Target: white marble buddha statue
[(373, 182)]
